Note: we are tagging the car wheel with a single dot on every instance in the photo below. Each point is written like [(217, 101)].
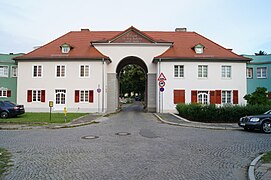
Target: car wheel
[(266, 127), (4, 115)]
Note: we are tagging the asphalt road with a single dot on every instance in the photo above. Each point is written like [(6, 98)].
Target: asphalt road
[(151, 150)]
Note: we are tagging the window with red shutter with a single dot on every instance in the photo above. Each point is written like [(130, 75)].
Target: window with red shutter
[(194, 95), (42, 95), (29, 95), (90, 96), (218, 96), (212, 97), (8, 93), (76, 96), (235, 96), (179, 96)]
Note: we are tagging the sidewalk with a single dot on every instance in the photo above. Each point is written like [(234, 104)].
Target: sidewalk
[(257, 170)]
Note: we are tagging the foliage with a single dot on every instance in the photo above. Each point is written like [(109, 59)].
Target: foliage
[(259, 96), (223, 114), (42, 118), (5, 161), (132, 79), (261, 53), (267, 157)]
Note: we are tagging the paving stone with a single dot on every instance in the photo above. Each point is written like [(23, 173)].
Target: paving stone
[(175, 153)]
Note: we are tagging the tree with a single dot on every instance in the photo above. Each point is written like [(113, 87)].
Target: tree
[(259, 96), (132, 79), (260, 53)]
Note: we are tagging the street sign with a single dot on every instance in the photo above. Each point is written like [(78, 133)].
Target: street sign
[(162, 89), (162, 84), (99, 90), (162, 77)]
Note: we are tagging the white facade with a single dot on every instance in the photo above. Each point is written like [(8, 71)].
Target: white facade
[(71, 82), (190, 81)]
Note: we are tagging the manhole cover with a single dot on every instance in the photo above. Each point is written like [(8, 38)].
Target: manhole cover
[(90, 137), (123, 133)]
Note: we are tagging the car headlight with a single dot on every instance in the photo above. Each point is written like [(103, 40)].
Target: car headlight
[(254, 119)]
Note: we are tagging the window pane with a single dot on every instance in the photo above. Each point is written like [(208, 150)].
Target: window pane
[(86, 71), (82, 71), (35, 71), (58, 71), (63, 71), (175, 71)]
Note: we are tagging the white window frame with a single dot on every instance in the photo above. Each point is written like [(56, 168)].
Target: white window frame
[(226, 97), (261, 72), (249, 76), (84, 73), (178, 71), (201, 95), (5, 70), (226, 71), (14, 71), (63, 94), (201, 69), (36, 95), (61, 71), (33, 69), (65, 49), (84, 96), (3, 93)]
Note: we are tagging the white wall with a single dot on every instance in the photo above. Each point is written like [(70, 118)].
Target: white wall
[(192, 82), (50, 82), (118, 52)]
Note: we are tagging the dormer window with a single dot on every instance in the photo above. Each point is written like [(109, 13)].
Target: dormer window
[(199, 49), (65, 48)]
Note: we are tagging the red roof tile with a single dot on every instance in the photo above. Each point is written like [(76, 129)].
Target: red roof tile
[(183, 43)]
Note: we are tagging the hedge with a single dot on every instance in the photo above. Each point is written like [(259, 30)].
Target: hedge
[(222, 114)]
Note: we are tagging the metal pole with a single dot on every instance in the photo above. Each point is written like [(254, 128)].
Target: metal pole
[(103, 85), (159, 97)]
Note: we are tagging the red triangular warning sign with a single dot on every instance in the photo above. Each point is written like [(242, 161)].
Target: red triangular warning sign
[(162, 77)]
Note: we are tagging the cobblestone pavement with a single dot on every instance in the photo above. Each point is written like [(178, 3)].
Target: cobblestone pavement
[(152, 150)]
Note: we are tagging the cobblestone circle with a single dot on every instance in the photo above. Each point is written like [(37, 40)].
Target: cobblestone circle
[(174, 153)]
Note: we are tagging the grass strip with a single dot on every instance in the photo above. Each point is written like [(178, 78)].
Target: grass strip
[(5, 161)]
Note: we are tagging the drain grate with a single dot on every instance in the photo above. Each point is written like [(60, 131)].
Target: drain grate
[(123, 134), (90, 137)]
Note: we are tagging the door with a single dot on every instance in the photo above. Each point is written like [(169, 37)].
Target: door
[(60, 99)]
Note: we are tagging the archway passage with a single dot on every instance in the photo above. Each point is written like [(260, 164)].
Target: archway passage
[(132, 81)]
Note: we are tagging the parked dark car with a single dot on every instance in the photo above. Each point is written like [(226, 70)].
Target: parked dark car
[(261, 122), (10, 109)]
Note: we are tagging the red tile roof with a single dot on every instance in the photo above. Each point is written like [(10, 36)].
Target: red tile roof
[(183, 43)]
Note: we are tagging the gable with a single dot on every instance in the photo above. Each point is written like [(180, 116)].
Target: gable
[(132, 35)]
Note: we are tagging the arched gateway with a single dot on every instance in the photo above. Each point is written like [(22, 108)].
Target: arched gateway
[(83, 67)]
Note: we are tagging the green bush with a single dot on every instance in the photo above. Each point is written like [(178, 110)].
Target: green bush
[(223, 114)]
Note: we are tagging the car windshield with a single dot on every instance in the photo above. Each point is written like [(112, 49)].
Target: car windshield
[(268, 112)]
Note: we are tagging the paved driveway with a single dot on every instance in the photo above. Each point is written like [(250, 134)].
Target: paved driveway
[(152, 151)]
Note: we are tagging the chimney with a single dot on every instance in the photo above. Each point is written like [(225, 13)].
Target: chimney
[(180, 30), (85, 29)]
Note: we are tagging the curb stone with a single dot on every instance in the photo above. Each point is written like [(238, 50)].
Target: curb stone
[(193, 124), (251, 169)]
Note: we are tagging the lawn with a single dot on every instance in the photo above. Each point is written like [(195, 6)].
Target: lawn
[(42, 118)]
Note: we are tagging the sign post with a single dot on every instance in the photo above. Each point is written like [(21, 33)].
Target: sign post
[(162, 78), (51, 104), (65, 114), (99, 90)]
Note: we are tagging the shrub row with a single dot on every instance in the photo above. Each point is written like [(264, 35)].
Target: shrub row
[(223, 114)]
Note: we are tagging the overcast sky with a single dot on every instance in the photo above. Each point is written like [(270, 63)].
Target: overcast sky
[(243, 25)]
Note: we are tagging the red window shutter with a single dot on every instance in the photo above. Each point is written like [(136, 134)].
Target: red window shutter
[(29, 95), (176, 96), (9, 93), (90, 96), (269, 95), (218, 96), (194, 98), (42, 95), (76, 96), (235, 96), (182, 96), (212, 97), (179, 96)]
